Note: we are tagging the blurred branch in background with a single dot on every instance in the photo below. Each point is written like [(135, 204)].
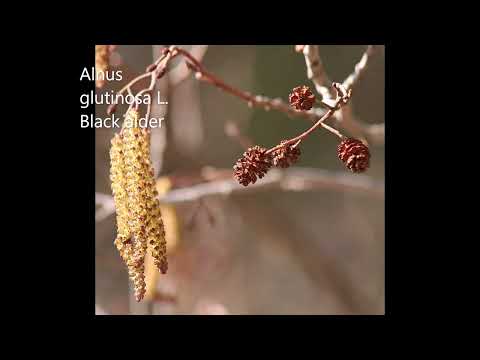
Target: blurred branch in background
[(293, 179), (318, 75)]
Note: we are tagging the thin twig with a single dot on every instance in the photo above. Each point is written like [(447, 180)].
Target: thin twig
[(360, 67), (252, 100), (342, 99), (316, 71)]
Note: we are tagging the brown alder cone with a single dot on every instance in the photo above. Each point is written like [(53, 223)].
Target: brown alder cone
[(286, 156), (301, 98), (354, 154), (254, 163)]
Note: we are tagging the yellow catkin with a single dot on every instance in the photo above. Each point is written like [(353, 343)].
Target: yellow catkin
[(118, 187), (123, 240), (169, 215), (102, 59), (151, 277), (155, 227), (139, 217), (172, 228), (136, 186), (172, 236)]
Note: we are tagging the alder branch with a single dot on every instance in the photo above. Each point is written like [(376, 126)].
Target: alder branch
[(315, 72), (252, 100), (341, 100), (159, 68)]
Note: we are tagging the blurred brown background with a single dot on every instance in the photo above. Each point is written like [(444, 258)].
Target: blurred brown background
[(271, 252)]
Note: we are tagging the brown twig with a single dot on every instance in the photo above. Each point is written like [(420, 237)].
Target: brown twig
[(252, 100), (159, 68), (315, 72)]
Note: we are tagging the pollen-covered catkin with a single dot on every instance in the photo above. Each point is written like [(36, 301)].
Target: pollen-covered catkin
[(123, 241), (136, 188), (155, 228), (139, 219), (118, 189)]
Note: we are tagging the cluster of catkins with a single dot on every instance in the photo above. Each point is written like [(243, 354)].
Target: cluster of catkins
[(139, 220), (256, 161)]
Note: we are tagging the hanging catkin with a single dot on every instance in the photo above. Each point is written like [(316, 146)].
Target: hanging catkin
[(123, 241), (120, 196), (139, 221), (155, 228)]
